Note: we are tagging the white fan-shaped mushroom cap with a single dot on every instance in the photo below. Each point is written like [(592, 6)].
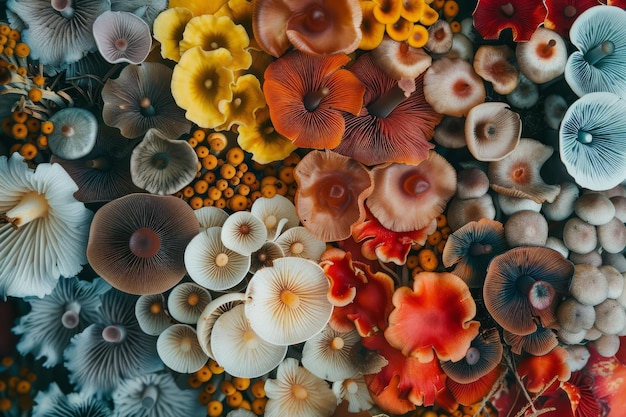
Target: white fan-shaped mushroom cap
[(211, 216), (299, 242), (213, 310), (327, 354), (122, 37), (239, 350), (179, 349), (75, 133), (272, 211), (151, 315), (287, 303), (187, 301), (243, 232), (211, 264), (354, 390)]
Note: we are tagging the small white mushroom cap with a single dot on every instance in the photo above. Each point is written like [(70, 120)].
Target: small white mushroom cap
[(607, 345), (301, 243), (509, 205), (543, 57), (210, 314), (187, 301), (619, 202), (614, 279), (574, 316), (462, 48), (571, 338), (526, 228), (558, 245), (243, 232), (277, 213), (463, 211), (612, 236), (492, 131), (355, 392), (211, 216), (151, 315), (494, 63), (578, 357), (594, 208), (179, 349), (616, 260), (525, 95), (589, 286), (610, 317), (563, 205), (471, 183), (579, 236), (593, 334), (592, 258)]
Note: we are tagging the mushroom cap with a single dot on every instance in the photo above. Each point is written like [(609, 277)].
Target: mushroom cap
[(330, 194), (450, 132), (239, 350), (265, 256), (146, 10), (462, 48), (494, 64), (573, 316), (55, 403), (327, 354), (440, 37), (75, 133), (151, 315), (610, 317), (612, 236), (509, 205), (471, 183), (180, 350), (243, 232), (35, 254), (408, 197), (538, 343), (589, 285), (561, 15), (211, 216), (483, 355), (543, 57), (598, 34), (287, 303), (579, 236), (563, 205), (615, 280), (299, 242), (522, 17), (463, 211), (554, 108), (161, 165), (400, 60), (619, 202), (607, 345), (211, 264), (526, 228), (277, 213), (594, 208), (578, 356), (213, 310), (168, 28), (122, 37), (492, 131), (538, 371), (137, 242), (525, 95), (186, 302)]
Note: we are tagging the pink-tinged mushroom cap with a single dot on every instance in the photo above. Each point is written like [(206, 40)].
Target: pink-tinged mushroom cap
[(122, 37), (522, 16), (492, 131), (494, 63), (441, 298)]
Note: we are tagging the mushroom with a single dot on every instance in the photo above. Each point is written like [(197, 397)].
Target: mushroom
[(122, 37), (53, 320), (372, 31), (471, 183), (483, 355), (277, 213), (210, 216), (573, 316), (525, 95), (598, 35), (607, 345), (263, 141), (168, 28), (463, 211), (526, 228), (407, 197), (55, 403), (452, 87), (239, 350), (307, 96), (523, 283), (594, 208), (213, 310), (140, 99), (440, 37), (462, 48), (161, 165), (615, 280), (509, 205), (408, 62), (610, 317), (554, 107), (247, 99), (155, 394), (137, 242), (286, 303), (578, 357), (243, 233), (151, 314), (612, 236), (265, 256), (592, 258), (330, 194), (579, 236), (473, 392), (38, 208), (299, 242), (492, 131), (296, 391), (111, 349), (494, 63), (74, 135), (146, 10), (538, 371), (518, 174), (562, 14), (211, 264), (435, 296), (523, 17), (186, 302), (590, 141), (353, 391), (450, 133), (180, 350), (589, 285), (543, 57), (327, 354), (563, 205), (538, 343)]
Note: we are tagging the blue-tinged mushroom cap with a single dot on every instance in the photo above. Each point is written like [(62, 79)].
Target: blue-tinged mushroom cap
[(54, 403), (600, 35), (148, 10), (122, 37), (592, 141), (74, 135)]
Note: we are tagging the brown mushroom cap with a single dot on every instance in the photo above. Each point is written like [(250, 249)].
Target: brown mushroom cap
[(594, 208), (612, 236), (471, 183), (463, 211), (492, 131), (493, 64), (526, 228), (579, 236)]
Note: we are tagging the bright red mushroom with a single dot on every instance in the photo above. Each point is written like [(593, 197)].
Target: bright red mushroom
[(522, 16), (562, 13), (539, 371)]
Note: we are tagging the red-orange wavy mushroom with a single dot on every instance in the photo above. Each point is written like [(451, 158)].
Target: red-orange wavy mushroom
[(562, 13), (522, 16), (539, 371)]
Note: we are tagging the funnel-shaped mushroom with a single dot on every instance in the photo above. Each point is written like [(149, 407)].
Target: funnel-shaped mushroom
[(168, 28), (137, 242), (74, 134), (122, 37), (492, 131), (151, 314)]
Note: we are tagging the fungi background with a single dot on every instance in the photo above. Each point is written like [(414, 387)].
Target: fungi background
[(354, 208)]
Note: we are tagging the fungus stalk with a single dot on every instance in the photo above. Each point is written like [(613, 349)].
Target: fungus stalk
[(584, 137), (64, 7), (289, 299), (114, 333), (313, 99), (595, 55), (472, 356), (70, 319), (385, 104), (149, 397), (540, 293), (100, 163), (477, 249), (147, 109), (507, 10), (144, 243), (547, 49), (32, 206), (160, 160)]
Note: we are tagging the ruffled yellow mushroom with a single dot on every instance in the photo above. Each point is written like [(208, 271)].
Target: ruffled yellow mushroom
[(198, 7), (247, 99), (372, 30), (168, 29), (263, 141), (200, 81), (211, 32), (240, 12)]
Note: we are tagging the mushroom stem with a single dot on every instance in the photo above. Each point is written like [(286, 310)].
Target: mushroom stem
[(149, 397), (32, 206), (594, 55), (70, 319), (313, 99), (100, 163), (540, 293), (160, 160), (584, 137), (508, 9), (545, 51), (477, 249), (64, 7), (147, 109), (114, 333), (385, 104), (472, 356)]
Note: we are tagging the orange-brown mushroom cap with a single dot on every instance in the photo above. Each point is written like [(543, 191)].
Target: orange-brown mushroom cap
[(441, 298), (539, 371)]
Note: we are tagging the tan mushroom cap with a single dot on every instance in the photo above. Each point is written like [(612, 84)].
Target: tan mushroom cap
[(440, 37), (450, 132), (607, 345), (492, 131), (614, 279), (563, 205), (299, 242), (579, 236), (493, 64), (594, 208), (612, 236), (573, 316), (463, 211), (589, 286), (526, 228), (610, 317), (543, 57), (179, 349), (471, 183)]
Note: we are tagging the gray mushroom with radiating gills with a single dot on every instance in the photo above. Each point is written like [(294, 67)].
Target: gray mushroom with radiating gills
[(492, 131), (111, 349), (151, 314), (327, 354), (210, 314), (538, 343), (155, 395), (148, 10), (140, 99), (186, 302), (55, 403), (287, 303), (122, 37), (54, 319), (301, 243), (554, 108), (58, 31), (179, 349), (483, 355), (243, 232), (74, 134), (161, 165), (592, 141), (239, 350), (599, 34), (211, 264), (543, 57), (43, 228), (265, 256), (277, 213), (210, 216)]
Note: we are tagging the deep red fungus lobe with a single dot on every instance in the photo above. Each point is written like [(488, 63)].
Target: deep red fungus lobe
[(144, 243)]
